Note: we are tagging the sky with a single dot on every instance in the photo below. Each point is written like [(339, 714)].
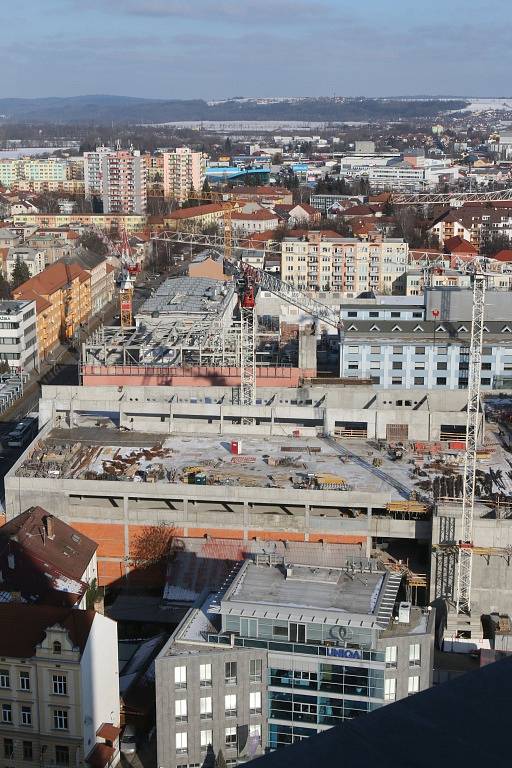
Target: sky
[(216, 49)]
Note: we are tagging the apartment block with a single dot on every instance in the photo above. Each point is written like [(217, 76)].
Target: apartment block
[(62, 293), (93, 171), (315, 262), (123, 182), (285, 651), (33, 258), (59, 687), (183, 171)]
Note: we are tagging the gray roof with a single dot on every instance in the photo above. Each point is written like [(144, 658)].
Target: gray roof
[(308, 593), (421, 332), (188, 295)]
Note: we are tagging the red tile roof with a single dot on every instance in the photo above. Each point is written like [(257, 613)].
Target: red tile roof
[(457, 244), (28, 624), (198, 210), (52, 279), (504, 255)]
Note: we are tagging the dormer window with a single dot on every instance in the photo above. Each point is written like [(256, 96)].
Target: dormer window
[(57, 647)]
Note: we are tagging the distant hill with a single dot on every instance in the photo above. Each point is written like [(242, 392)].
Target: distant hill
[(124, 109)]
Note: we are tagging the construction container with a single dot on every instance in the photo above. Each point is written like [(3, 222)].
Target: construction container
[(457, 445), (236, 447)]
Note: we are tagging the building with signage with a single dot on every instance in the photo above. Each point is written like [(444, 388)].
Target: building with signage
[(18, 339), (286, 651)]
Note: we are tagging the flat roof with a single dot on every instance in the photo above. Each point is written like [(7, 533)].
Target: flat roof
[(92, 453), (188, 295), (314, 593)]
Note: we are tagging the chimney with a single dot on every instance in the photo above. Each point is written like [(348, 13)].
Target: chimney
[(48, 525)]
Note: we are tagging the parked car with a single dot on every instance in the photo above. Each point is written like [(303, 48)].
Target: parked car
[(128, 742)]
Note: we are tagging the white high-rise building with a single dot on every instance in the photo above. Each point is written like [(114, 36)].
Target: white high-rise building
[(184, 170), (93, 171)]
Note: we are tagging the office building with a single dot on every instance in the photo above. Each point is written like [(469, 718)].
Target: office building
[(18, 341), (184, 172), (286, 651)]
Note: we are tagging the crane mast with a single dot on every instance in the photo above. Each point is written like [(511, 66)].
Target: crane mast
[(465, 560)]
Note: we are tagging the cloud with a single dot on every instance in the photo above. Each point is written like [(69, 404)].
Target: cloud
[(235, 11)]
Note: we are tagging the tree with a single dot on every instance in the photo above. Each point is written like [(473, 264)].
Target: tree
[(206, 186), (93, 242), (220, 761), (5, 288), (153, 545), (20, 273)]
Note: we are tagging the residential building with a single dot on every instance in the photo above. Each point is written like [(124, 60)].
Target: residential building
[(208, 264), (24, 171), (299, 214), (184, 171), (18, 340), (267, 196), (257, 221), (286, 651), (33, 258), (123, 182), (93, 171), (44, 560), (63, 301), (59, 687), (55, 245), (316, 262), (102, 274), (195, 218), (107, 222)]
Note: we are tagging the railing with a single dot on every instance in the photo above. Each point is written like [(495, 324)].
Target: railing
[(330, 651)]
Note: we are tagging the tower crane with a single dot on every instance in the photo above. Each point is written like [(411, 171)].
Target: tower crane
[(128, 271)]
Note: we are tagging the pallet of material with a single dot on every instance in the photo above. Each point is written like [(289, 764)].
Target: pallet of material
[(415, 507)]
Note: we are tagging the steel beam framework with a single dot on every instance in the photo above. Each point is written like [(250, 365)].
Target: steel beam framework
[(448, 198), (219, 242), (464, 566), (247, 360)]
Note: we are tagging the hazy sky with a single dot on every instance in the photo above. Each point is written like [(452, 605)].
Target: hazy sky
[(219, 48)]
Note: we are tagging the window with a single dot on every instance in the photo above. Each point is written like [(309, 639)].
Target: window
[(60, 719), (25, 681), (180, 709), (395, 314), (441, 380), (230, 672), (391, 655), (255, 702), (57, 647), (485, 382), (6, 713), (442, 366), (414, 655), (61, 755), (397, 366), (205, 707), (398, 350), (255, 733), (419, 350), (26, 715), (230, 736), (249, 627), (205, 674), (419, 380), (60, 685), (413, 684), (375, 350), (297, 633), (419, 366), (255, 670), (8, 748), (206, 740), (485, 366), (390, 689), (181, 742), (180, 677), (27, 750), (230, 705), (396, 380), (5, 681)]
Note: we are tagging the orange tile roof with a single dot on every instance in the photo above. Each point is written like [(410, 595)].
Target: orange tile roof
[(54, 277), (29, 295), (198, 210), (256, 216)]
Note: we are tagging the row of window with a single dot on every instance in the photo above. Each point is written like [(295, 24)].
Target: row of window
[(230, 674), (24, 750), (60, 717), (391, 655), (59, 682), (206, 738), (206, 706)]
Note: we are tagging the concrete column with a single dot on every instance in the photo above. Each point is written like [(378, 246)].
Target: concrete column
[(126, 534), (307, 511), (171, 419), (271, 421), (246, 518), (221, 423), (369, 532), (71, 413)]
